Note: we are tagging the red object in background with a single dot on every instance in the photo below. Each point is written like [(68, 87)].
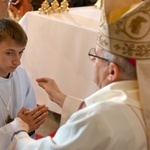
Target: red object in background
[(51, 135)]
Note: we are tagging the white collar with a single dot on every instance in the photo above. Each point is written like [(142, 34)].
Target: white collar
[(121, 92)]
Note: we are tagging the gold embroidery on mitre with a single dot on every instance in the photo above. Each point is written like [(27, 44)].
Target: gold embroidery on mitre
[(129, 35)]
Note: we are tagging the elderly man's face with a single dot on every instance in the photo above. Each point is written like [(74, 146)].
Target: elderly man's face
[(100, 67)]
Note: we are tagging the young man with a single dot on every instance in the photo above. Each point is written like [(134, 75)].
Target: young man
[(15, 87), (117, 116)]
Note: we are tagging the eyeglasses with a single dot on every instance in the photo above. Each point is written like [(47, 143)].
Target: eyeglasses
[(92, 54)]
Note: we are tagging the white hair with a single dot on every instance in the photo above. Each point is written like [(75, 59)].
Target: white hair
[(128, 71)]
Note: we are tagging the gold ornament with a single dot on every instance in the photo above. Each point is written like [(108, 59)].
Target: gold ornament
[(64, 6), (55, 7), (45, 8)]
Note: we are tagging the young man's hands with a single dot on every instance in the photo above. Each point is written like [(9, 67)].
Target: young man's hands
[(35, 117)]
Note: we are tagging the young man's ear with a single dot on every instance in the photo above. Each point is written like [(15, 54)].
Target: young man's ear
[(113, 71)]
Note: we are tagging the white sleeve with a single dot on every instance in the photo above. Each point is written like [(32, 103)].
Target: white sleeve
[(71, 105), (6, 133), (71, 136), (22, 141)]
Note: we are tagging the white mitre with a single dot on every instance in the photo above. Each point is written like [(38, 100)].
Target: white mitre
[(125, 30)]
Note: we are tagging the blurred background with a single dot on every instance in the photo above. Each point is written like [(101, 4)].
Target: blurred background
[(15, 9), (72, 3)]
